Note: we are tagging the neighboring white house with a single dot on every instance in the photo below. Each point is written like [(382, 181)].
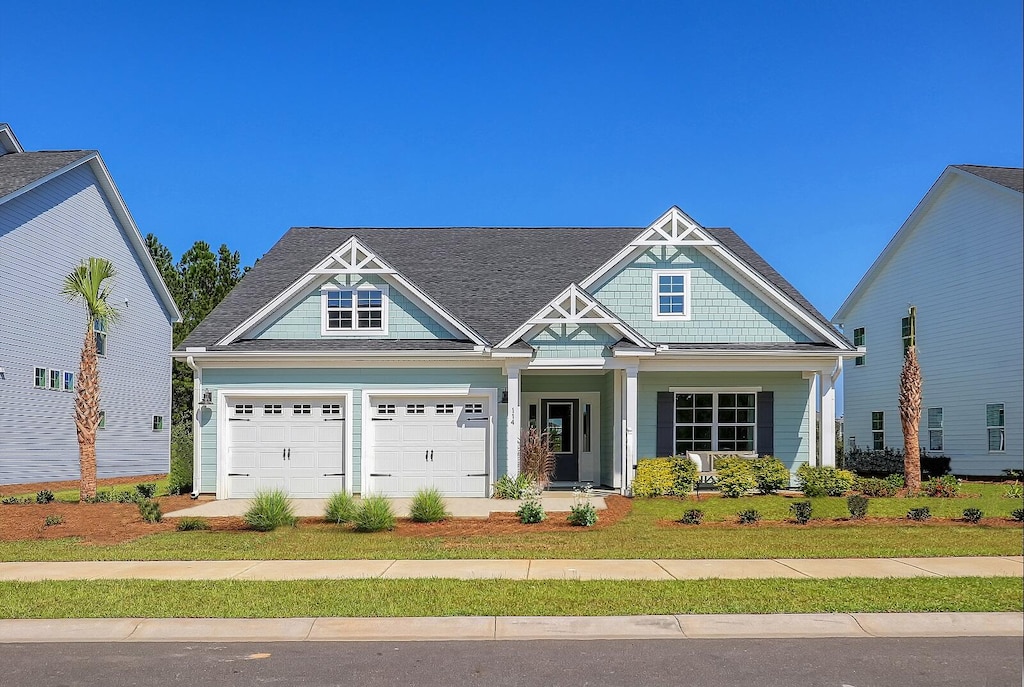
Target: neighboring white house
[(386, 360), (952, 281), (58, 208)]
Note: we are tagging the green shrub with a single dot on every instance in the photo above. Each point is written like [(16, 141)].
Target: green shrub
[(946, 486), (150, 511), (973, 514), (770, 474), (1017, 514), (269, 510), (341, 508), (896, 480), (374, 515), (52, 519), (823, 481), (125, 496), (672, 476), (857, 505), (531, 511), (735, 476), (44, 496), (1014, 491), (874, 486), (801, 511), (193, 524), (146, 490), (508, 487), (582, 512), (179, 479), (694, 516), (919, 513), (428, 506), (748, 517), (14, 500)]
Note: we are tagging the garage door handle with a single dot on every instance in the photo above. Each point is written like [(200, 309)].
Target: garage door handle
[(380, 474), (334, 474), (238, 419), (334, 419), (476, 419), (238, 474), (478, 474), (382, 419)]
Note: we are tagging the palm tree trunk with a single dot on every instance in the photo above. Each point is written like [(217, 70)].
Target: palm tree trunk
[(87, 414), (910, 418)]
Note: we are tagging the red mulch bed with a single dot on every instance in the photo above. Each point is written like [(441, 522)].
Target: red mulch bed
[(845, 522), (33, 487)]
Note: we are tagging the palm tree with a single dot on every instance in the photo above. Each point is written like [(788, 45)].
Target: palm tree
[(910, 418), (85, 283)]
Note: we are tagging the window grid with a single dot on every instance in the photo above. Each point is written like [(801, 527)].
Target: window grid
[(103, 420), (100, 334), (415, 409), (302, 409), (355, 309), (158, 423), (331, 409), (908, 330), (385, 408), (995, 423), (243, 409), (445, 409), (672, 295), (69, 381), (474, 408), (878, 430), (715, 421), (40, 378), (935, 429), (858, 340), (55, 380), (272, 409)]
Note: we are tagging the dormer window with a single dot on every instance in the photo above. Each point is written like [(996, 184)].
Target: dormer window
[(672, 296), (354, 311)]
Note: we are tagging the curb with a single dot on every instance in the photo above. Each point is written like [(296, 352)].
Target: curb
[(482, 628)]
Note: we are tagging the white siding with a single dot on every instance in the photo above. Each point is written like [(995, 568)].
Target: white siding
[(43, 234), (963, 269)]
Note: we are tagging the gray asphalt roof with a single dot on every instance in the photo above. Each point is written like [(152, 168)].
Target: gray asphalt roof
[(18, 170), (1010, 177), (491, 278), (340, 344)]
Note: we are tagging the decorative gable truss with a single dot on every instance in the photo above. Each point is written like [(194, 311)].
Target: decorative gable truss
[(575, 306), (676, 229), (354, 258)]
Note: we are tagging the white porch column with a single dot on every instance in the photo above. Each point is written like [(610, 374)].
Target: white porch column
[(828, 413), (619, 436), (631, 422), (513, 425), (812, 416)]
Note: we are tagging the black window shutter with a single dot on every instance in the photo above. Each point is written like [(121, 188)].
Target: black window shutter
[(666, 423), (766, 423)]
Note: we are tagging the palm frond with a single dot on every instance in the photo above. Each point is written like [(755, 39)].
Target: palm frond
[(86, 283)]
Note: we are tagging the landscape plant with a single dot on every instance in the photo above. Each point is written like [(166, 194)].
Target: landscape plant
[(748, 517), (692, 516), (532, 510), (801, 511), (340, 508), (770, 474), (88, 283), (179, 479), (374, 515), (735, 476), (909, 402), (1017, 515), (823, 480), (270, 509), (857, 505), (1014, 491), (582, 512), (146, 490), (508, 487), (536, 460), (44, 496), (428, 506), (53, 519), (973, 514), (922, 513), (875, 486), (946, 486), (192, 524), (150, 511)]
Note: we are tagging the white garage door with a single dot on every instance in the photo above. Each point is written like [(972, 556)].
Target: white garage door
[(438, 442), (286, 443)]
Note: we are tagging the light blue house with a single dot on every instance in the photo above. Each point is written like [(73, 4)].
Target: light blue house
[(58, 208), (385, 360), (952, 281)]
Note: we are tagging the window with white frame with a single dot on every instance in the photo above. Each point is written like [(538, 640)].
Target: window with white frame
[(672, 295), (878, 430), (415, 409), (935, 429), (103, 420), (995, 423), (39, 379), (385, 408), (69, 381), (55, 380), (158, 423), (445, 408), (716, 421), (331, 409), (474, 408), (356, 310), (858, 341), (302, 409), (99, 329)]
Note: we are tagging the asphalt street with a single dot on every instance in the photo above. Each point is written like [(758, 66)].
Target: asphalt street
[(869, 662)]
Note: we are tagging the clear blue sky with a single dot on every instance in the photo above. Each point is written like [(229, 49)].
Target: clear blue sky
[(812, 128)]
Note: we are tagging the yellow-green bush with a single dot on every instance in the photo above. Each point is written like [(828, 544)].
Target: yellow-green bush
[(672, 476)]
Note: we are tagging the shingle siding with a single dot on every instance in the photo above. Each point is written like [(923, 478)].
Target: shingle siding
[(44, 234), (961, 268), (571, 341)]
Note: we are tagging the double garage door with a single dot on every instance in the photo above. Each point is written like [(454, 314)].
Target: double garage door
[(298, 445)]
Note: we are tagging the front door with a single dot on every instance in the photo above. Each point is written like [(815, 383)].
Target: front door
[(558, 418)]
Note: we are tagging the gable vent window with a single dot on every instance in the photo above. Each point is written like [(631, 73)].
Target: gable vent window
[(878, 430), (415, 409), (995, 421), (243, 409), (302, 409), (935, 429), (332, 409), (672, 295), (353, 310), (475, 408), (858, 340), (40, 378), (385, 408), (69, 381), (55, 380), (100, 333), (445, 409), (272, 409)]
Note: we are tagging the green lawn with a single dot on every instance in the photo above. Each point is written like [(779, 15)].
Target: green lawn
[(72, 495), (647, 532), (319, 598)]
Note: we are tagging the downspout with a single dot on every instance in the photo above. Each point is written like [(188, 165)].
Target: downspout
[(197, 391)]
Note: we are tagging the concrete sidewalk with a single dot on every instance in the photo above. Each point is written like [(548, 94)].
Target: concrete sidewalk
[(851, 625), (538, 569)]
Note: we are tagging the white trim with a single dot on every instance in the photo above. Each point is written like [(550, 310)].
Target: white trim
[(8, 141), (715, 389), (630, 392), (582, 398), (656, 295), (366, 425), (223, 433), (356, 332), (513, 420), (618, 432), (354, 258)]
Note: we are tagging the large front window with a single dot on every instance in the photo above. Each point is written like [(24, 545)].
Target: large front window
[(716, 421), (354, 310)]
